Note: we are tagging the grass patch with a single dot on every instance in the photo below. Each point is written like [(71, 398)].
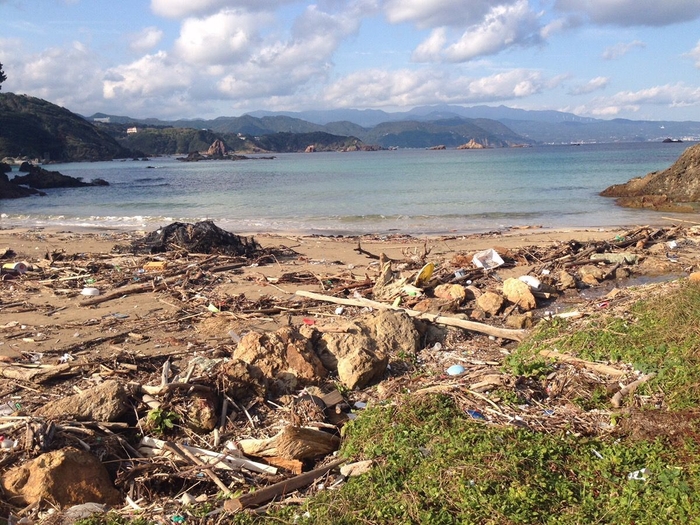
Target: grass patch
[(659, 334), (436, 465)]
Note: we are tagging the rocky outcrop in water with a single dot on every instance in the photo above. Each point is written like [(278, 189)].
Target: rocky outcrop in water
[(472, 144), (666, 190), (40, 178)]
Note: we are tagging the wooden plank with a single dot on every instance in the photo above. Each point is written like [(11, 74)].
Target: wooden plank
[(266, 494)]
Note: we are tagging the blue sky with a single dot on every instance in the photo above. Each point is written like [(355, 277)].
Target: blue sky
[(637, 59)]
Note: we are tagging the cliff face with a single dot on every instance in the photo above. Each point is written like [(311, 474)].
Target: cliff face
[(34, 128), (663, 189)]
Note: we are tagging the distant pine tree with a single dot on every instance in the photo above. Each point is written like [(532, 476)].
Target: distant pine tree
[(3, 77)]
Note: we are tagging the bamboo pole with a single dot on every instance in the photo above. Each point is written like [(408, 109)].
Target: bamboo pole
[(504, 333)]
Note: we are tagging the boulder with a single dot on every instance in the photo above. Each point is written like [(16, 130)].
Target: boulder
[(451, 292), (285, 357), (519, 293), (361, 355), (62, 477), (565, 281), (242, 381), (201, 413), (104, 402), (490, 303), (41, 179), (472, 144), (591, 275), (217, 149), (661, 189)]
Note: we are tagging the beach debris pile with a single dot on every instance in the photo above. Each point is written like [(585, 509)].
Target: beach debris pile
[(167, 389), (201, 237)]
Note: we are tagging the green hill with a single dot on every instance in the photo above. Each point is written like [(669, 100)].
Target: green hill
[(449, 132), (171, 141), (34, 128)]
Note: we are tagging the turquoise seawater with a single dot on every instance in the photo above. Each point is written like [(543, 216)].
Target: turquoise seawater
[(408, 191)]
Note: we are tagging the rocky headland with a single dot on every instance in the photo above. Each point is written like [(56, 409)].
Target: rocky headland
[(676, 188), (37, 178)]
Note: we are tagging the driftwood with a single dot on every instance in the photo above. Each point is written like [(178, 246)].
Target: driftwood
[(505, 333), (151, 446), (150, 286), (596, 367), (35, 373), (616, 400), (293, 443), (266, 494)]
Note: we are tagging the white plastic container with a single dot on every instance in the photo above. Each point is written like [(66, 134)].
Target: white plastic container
[(533, 282)]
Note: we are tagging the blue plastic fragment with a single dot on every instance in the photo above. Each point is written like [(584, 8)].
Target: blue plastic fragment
[(455, 370), (475, 414)]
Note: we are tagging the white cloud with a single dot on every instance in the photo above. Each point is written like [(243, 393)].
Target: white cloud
[(381, 88), (150, 76), (435, 13), (431, 49), (68, 76), (695, 55), (503, 27), (187, 8), (621, 49), (281, 68), (670, 95), (145, 40), (633, 12), (592, 85), (559, 25), (223, 38)]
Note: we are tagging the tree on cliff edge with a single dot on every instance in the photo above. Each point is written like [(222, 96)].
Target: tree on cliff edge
[(3, 77)]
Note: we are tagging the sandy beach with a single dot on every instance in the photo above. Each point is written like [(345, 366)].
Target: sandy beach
[(50, 305)]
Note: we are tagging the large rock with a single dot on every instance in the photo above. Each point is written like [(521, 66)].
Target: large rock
[(661, 189), (361, 355), (105, 402), (490, 303), (40, 178), (519, 293), (285, 357), (242, 381), (61, 477), (217, 149)]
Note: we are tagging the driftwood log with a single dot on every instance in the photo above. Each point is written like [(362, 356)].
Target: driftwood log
[(504, 333), (596, 367), (292, 443), (266, 494)]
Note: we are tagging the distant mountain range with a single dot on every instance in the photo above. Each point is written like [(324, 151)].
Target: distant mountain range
[(427, 126), (36, 128)]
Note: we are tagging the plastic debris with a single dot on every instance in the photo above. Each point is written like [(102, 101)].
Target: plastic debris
[(475, 414), (455, 370), (487, 259), (638, 475), (533, 282), (90, 291)]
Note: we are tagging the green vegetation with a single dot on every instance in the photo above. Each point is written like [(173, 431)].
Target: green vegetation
[(289, 142), (169, 141), (436, 464), (162, 421), (659, 334), (35, 128)]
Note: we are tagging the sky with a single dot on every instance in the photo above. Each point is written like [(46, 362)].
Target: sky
[(636, 59)]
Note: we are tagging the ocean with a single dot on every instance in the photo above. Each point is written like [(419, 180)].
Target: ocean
[(404, 191)]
